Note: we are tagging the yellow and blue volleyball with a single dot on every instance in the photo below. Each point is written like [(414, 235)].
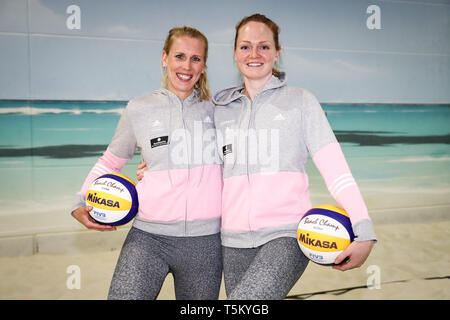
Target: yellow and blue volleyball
[(324, 232), (114, 199)]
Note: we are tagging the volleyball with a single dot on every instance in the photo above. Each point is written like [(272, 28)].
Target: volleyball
[(114, 199), (323, 233)]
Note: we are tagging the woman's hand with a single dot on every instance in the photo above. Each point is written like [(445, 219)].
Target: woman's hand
[(357, 253), (140, 172), (82, 215)]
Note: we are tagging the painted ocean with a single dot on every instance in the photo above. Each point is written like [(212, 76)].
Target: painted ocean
[(399, 154)]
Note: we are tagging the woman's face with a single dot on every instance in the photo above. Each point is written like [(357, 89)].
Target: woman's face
[(255, 52), (185, 63)]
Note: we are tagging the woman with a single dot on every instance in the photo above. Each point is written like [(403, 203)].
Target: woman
[(178, 223), (266, 130)]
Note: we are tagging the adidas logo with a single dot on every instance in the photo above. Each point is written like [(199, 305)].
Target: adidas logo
[(279, 117), (156, 123)]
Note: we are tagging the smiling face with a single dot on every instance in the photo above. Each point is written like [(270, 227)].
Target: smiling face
[(185, 62), (255, 52)]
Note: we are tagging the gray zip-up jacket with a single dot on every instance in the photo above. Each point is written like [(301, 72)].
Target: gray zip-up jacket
[(265, 144), (180, 194)]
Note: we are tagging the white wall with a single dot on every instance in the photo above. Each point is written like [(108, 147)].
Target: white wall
[(328, 47)]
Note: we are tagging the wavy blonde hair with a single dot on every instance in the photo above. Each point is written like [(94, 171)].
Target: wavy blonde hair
[(202, 84)]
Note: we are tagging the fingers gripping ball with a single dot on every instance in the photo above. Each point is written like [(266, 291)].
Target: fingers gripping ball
[(324, 232), (114, 199)]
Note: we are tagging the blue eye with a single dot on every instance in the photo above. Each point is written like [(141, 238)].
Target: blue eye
[(179, 56), (196, 59)]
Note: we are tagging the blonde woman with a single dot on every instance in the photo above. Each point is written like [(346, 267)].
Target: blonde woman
[(177, 226)]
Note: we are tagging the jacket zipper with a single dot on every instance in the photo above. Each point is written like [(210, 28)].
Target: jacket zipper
[(252, 238)]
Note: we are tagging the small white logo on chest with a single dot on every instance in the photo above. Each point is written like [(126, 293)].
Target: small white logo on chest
[(279, 117), (156, 123)]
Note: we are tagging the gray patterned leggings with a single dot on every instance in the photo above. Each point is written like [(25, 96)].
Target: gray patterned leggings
[(267, 272), (146, 259)]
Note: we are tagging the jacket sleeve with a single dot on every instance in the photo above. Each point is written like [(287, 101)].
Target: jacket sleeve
[(329, 159), (333, 167), (119, 152)]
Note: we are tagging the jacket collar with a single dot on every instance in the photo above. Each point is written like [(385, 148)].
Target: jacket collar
[(226, 96), (194, 97)]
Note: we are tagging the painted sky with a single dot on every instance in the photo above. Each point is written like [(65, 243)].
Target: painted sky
[(327, 47)]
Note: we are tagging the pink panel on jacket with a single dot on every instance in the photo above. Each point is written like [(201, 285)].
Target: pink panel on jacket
[(163, 199), (264, 200)]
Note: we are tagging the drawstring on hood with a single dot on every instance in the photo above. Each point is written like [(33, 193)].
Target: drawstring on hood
[(175, 100), (169, 163), (169, 94)]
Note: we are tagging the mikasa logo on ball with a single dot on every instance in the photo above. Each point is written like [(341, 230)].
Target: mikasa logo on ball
[(105, 202), (316, 243)]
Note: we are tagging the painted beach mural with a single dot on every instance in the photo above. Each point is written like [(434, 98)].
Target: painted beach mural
[(399, 154), (68, 70), (380, 69)]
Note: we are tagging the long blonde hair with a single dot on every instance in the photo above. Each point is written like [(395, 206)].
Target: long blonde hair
[(202, 84)]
